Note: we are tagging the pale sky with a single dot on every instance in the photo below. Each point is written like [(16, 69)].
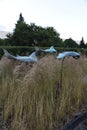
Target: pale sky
[(68, 17)]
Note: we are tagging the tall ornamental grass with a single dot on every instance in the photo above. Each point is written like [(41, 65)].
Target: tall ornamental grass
[(38, 100)]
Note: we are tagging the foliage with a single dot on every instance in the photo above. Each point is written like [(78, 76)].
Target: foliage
[(82, 43), (32, 35), (21, 18), (28, 35), (70, 43), (1, 42)]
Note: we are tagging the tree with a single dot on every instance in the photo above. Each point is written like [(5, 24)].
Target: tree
[(82, 43), (47, 36), (1, 42), (21, 34), (21, 19), (70, 43), (53, 37), (28, 35)]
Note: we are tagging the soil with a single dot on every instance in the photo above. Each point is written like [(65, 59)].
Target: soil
[(2, 125)]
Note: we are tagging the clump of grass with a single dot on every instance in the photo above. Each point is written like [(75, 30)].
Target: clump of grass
[(72, 87), (20, 70), (6, 67), (6, 73), (39, 101)]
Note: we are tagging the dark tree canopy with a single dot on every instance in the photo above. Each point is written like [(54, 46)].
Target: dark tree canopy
[(70, 43), (28, 35), (82, 43), (21, 18)]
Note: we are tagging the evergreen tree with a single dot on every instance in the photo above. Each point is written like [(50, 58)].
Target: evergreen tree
[(82, 43), (28, 35), (21, 19), (21, 35)]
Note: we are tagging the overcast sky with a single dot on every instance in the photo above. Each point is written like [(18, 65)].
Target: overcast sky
[(68, 17)]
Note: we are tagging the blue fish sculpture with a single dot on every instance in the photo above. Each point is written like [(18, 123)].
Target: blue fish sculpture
[(49, 50), (31, 58), (68, 53)]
